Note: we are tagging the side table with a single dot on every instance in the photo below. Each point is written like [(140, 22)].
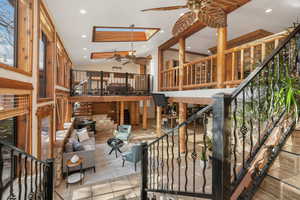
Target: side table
[(75, 177)]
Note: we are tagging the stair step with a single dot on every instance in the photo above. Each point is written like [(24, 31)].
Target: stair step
[(272, 188), (263, 195), (293, 143), (287, 168)]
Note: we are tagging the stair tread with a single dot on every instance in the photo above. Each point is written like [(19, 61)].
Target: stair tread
[(286, 168), (261, 194)]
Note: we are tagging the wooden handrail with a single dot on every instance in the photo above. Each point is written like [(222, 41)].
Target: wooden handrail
[(200, 73)]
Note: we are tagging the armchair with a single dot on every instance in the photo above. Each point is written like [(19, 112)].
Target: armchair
[(133, 156), (123, 132)]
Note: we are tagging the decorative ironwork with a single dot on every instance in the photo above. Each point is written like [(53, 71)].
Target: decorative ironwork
[(177, 172), (33, 178), (257, 108)]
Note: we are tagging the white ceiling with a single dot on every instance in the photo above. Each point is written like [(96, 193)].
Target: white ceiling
[(71, 24)]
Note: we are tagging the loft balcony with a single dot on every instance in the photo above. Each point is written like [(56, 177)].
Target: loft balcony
[(202, 73), (100, 83)]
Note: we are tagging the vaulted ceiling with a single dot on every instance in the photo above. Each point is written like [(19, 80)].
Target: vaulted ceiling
[(72, 24)]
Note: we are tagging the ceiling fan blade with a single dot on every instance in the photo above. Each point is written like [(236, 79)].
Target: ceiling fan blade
[(165, 8)]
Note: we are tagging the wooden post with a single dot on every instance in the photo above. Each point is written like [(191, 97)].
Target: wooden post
[(122, 107), (182, 130), (145, 114), (181, 61), (132, 113), (137, 113), (221, 59), (222, 147), (158, 120)]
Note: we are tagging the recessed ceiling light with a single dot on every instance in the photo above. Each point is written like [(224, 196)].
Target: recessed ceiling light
[(82, 11), (84, 49), (83, 36), (268, 10), (188, 47)]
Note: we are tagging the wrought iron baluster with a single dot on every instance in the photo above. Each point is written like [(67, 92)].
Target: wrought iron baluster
[(12, 195), (157, 165), (204, 152), (251, 121), (150, 166), (179, 160), (259, 109), (235, 139), (40, 180), (162, 163), (1, 171), (168, 162), (173, 155), (30, 196), (194, 156), (243, 129), (154, 166), (25, 176), (186, 158), (20, 175), (36, 181)]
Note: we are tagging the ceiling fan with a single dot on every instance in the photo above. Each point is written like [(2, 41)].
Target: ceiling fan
[(207, 11), (131, 57)]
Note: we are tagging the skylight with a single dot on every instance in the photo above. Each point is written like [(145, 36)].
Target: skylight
[(123, 34)]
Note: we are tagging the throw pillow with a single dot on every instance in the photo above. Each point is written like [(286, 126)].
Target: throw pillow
[(83, 135), (68, 147), (77, 146)]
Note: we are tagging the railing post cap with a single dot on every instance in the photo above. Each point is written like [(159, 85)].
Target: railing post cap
[(222, 95)]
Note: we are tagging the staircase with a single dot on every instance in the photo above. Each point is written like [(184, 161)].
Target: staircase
[(24, 176), (283, 179), (250, 153)]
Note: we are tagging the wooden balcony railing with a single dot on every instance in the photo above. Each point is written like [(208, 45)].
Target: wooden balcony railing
[(240, 62), (99, 83)]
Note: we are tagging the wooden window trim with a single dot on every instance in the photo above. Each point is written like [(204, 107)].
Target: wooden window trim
[(42, 112), (18, 67), (46, 26)]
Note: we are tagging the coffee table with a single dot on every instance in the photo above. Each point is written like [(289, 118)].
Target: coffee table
[(115, 145)]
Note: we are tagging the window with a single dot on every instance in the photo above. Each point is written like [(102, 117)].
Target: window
[(7, 32), (43, 67), (45, 131), (8, 135), (16, 35), (45, 138)]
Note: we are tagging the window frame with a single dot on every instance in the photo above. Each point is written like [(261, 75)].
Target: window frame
[(46, 27), (18, 66)]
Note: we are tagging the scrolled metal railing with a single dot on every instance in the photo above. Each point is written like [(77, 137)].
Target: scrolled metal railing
[(258, 105), (22, 176), (179, 161)]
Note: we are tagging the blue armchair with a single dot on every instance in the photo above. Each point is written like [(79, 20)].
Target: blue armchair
[(133, 156), (123, 132)]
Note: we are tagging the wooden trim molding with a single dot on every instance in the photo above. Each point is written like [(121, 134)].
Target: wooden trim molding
[(42, 112), (14, 84), (14, 69)]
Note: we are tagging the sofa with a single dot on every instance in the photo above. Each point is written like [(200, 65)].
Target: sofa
[(87, 152), (123, 132)]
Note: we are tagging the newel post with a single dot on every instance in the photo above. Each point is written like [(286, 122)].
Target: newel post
[(221, 147), (144, 171), (50, 179)]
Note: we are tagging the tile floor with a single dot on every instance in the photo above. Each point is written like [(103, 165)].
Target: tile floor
[(111, 180)]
